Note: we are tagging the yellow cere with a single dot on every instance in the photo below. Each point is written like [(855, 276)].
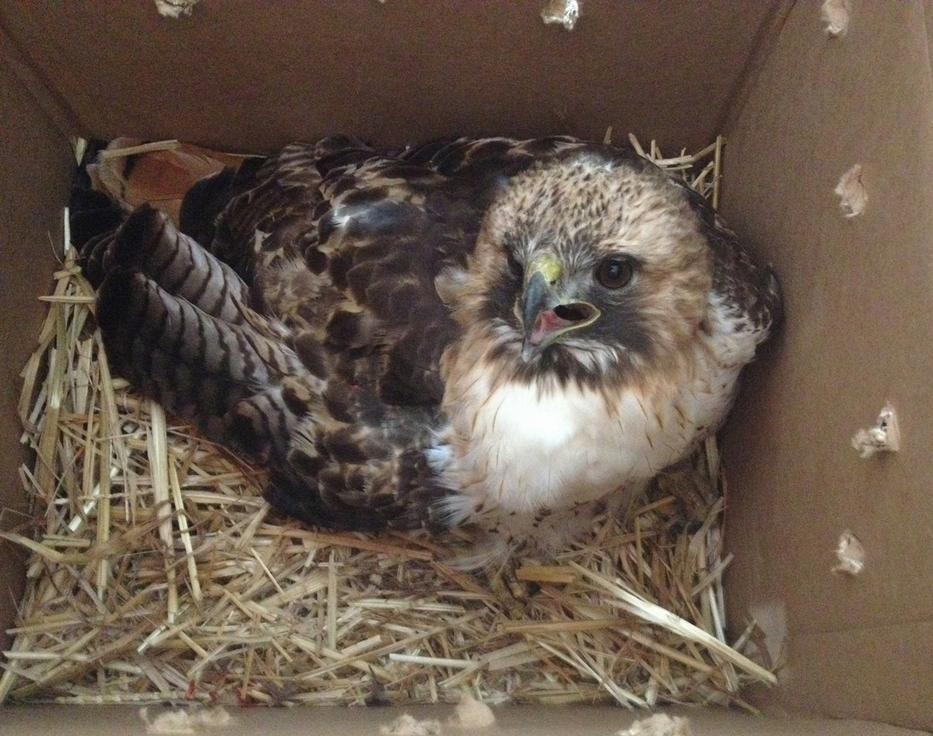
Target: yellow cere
[(547, 266)]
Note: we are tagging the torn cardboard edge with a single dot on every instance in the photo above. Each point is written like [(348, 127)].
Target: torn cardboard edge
[(853, 197), (565, 13), (407, 725), (883, 436), (659, 724), (835, 15), (185, 720), (850, 555), (175, 8), (472, 714), (469, 715)]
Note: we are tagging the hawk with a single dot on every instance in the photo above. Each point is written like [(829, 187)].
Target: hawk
[(513, 334)]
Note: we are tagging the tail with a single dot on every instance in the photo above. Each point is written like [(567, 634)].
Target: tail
[(177, 323), (148, 242)]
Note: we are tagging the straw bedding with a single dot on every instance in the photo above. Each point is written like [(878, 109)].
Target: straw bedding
[(157, 572)]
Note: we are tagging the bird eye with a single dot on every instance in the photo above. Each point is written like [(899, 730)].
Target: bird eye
[(615, 272), (514, 266)]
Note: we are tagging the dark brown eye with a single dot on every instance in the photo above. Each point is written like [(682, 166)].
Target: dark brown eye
[(514, 266), (615, 272)]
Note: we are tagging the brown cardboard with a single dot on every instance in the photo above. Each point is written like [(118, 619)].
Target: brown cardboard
[(255, 75), (858, 332), (511, 721), (800, 109), (35, 171)]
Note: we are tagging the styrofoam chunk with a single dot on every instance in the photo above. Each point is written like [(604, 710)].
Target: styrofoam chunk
[(561, 12)]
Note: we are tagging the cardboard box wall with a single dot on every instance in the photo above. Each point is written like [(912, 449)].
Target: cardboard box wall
[(797, 108)]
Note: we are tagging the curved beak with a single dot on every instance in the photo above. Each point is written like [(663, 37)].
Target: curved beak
[(546, 313)]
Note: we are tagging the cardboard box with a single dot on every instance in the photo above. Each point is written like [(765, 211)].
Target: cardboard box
[(798, 109)]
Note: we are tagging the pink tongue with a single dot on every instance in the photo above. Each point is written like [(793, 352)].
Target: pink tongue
[(546, 323)]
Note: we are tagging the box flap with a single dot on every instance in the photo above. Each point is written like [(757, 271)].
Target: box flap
[(35, 173), (256, 75), (859, 295), (554, 721)]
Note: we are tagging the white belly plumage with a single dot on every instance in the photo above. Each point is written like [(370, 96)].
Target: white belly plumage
[(518, 449)]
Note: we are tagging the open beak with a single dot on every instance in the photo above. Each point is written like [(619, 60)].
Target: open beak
[(546, 316)]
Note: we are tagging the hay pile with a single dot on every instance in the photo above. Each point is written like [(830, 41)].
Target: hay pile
[(158, 573)]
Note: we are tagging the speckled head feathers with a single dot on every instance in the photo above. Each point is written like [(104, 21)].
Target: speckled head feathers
[(579, 210)]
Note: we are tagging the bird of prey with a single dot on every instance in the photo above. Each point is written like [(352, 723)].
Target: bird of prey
[(511, 334)]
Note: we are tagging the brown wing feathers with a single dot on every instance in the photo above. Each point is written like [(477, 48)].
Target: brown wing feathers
[(339, 393), (225, 376), (340, 410)]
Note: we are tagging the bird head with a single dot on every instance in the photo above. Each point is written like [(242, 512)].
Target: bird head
[(589, 264)]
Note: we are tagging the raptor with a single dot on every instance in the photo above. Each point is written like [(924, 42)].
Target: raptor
[(512, 334)]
